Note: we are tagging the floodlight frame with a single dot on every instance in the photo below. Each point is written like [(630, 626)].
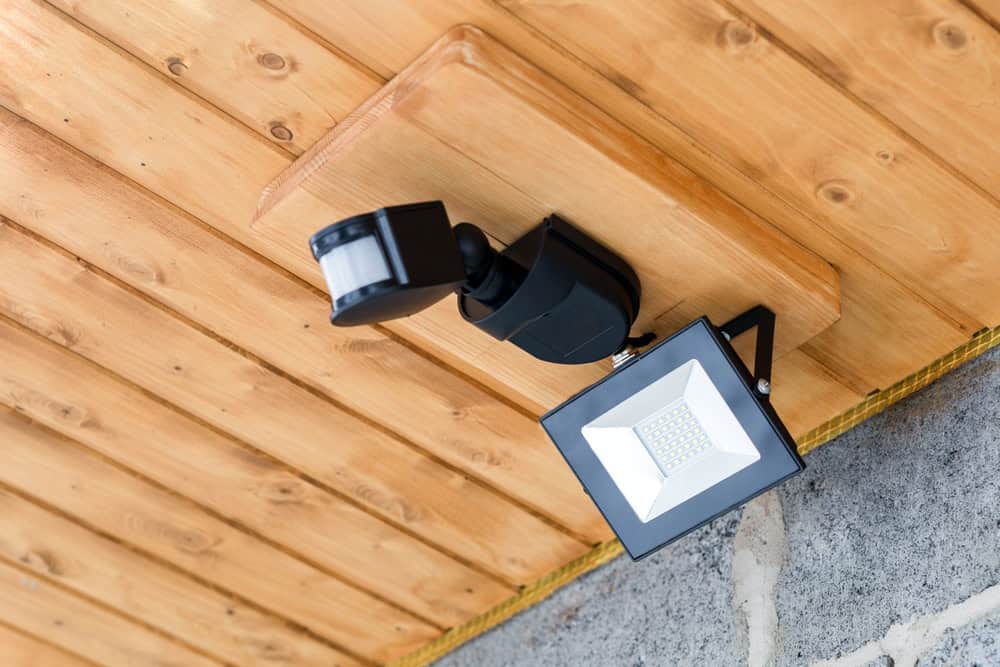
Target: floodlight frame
[(708, 344)]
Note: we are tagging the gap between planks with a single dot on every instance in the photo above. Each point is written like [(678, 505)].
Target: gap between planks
[(76, 659), (55, 583), (16, 226), (232, 523), (158, 560)]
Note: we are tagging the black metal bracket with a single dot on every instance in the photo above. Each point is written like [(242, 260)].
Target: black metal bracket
[(762, 318)]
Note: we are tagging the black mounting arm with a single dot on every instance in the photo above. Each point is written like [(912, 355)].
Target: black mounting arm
[(762, 318)]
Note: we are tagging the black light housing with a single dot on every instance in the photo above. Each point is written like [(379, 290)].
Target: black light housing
[(677, 435)]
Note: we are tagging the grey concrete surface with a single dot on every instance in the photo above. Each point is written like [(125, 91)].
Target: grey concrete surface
[(885, 552)]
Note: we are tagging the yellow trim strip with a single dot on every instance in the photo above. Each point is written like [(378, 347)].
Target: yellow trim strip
[(544, 587)]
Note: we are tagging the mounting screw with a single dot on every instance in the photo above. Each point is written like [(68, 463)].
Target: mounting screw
[(726, 335), (763, 387)]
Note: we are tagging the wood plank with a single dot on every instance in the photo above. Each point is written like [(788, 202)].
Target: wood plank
[(474, 431), (931, 66), (20, 650), (77, 625), (473, 95), (858, 178), (239, 56), (276, 416), (142, 588), (47, 383), (388, 34)]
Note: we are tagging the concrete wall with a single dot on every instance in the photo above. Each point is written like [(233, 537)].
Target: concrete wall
[(886, 551)]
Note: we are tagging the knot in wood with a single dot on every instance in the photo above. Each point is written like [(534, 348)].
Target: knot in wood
[(280, 132), (835, 192), (736, 35), (949, 35), (271, 61)]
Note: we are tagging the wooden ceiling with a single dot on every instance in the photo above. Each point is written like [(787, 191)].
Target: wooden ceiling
[(199, 470)]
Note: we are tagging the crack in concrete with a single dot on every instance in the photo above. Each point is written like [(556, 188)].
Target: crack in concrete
[(758, 555), (906, 642)]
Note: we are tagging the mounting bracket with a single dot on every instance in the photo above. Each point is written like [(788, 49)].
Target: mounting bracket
[(762, 318)]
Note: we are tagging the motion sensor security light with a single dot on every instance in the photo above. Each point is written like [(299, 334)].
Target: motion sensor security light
[(672, 438), (555, 292)]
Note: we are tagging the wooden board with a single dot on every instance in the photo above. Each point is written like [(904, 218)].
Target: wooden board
[(931, 66), (20, 650), (273, 415), (468, 428), (60, 550), (48, 384), (40, 607), (290, 88)]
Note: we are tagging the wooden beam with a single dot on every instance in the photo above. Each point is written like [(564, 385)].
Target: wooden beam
[(47, 383), (275, 415), (932, 67), (98, 568), (83, 628), (240, 57), (20, 650), (468, 427)]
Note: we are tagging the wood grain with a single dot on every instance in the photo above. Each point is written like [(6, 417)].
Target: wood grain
[(100, 569), (477, 433), (79, 626), (48, 384), (240, 57), (20, 650), (931, 66), (798, 137), (388, 34), (277, 416)]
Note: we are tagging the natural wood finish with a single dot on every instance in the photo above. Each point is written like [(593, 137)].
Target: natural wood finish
[(20, 650), (749, 101), (931, 66), (76, 625), (233, 51), (276, 416), (141, 588), (388, 34), (486, 439), (48, 384), (863, 132)]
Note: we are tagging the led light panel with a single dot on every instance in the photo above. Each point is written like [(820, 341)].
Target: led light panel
[(670, 441), (673, 438)]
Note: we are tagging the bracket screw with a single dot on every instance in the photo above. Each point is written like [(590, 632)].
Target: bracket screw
[(763, 386)]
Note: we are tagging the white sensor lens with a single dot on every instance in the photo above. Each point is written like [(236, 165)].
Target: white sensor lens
[(670, 441), (354, 265)]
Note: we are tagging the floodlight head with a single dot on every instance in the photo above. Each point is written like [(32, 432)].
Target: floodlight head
[(555, 292), (677, 435)]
